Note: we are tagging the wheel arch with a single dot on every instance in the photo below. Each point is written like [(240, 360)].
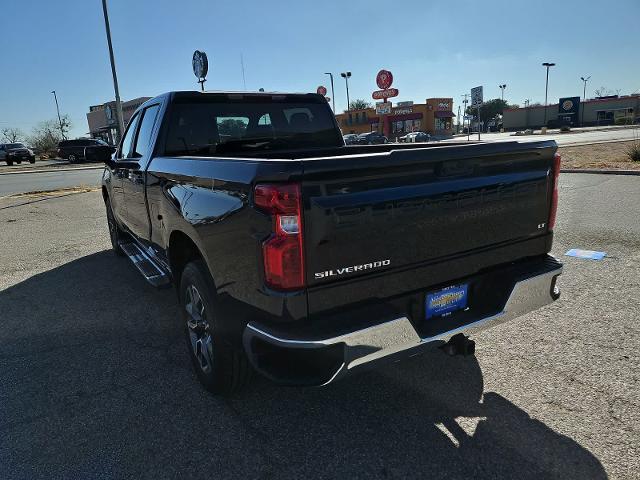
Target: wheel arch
[(182, 249)]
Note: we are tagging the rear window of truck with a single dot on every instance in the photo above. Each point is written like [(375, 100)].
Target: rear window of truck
[(226, 127)]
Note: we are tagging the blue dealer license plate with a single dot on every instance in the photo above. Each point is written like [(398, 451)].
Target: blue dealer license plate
[(447, 300)]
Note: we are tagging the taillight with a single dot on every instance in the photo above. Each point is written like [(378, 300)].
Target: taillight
[(282, 252), (554, 197)]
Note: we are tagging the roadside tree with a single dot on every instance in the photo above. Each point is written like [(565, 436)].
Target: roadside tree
[(606, 92), (46, 135), (12, 135), (359, 104), (490, 109)]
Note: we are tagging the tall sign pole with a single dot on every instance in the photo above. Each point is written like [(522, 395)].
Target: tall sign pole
[(119, 119)]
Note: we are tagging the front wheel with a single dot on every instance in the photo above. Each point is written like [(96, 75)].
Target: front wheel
[(10, 163), (220, 367), (72, 158)]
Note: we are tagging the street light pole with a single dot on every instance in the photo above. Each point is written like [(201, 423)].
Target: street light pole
[(120, 119), (464, 114), (502, 87), (59, 119), (333, 96), (526, 113), (584, 97), (346, 76), (546, 89)]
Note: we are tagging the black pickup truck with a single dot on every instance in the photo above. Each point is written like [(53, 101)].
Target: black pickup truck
[(305, 259)]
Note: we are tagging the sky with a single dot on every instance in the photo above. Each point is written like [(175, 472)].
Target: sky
[(433, 49)]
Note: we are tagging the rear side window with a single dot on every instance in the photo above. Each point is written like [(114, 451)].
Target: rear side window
[(221, 125), (144, 134)]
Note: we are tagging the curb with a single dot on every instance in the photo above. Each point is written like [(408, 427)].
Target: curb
[(583, 144), (55, 169), (600, 172)]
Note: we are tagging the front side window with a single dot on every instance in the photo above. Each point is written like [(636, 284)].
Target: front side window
[(143, 139), (127, 141)]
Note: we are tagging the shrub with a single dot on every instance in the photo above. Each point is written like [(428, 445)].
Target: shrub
[(633, 152)]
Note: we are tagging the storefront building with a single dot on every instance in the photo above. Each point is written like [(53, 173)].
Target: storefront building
[(618, 110), (435, 116), (102, 118)]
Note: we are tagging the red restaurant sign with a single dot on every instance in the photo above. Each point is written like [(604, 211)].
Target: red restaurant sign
[(380, 94), (384, 79)]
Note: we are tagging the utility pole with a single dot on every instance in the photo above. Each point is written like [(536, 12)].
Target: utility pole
[(244, 81), (346, 76), (120, 118), (333, 96), (546, 90), (584, 98), (64, 137), (464, 113), (526, 113)]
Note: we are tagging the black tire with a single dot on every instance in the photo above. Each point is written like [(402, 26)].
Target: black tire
[(72, 158), (221, 367), (32, 160), (18, 162), (115, 232), (10, 163)]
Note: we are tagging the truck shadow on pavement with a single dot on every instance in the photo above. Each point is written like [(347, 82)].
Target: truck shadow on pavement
[(96, 383)]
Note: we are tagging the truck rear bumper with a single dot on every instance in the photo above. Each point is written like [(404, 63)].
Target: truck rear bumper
[(289, 358)]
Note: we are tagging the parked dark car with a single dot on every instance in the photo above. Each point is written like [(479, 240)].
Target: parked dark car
[(85, 149), (306, 260), (16, 153), (371, 138)]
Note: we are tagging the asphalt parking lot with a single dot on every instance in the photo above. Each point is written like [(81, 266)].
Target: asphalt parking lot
[(96, 382)]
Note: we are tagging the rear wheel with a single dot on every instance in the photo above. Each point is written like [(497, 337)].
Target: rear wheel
[(10, 163), (72, 158), (220, 367), (32, 160), (115, 232)]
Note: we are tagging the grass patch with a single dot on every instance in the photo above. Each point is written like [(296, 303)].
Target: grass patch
[(612, 156)]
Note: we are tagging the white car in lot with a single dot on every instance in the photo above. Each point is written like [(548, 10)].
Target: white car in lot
[(415, 137)]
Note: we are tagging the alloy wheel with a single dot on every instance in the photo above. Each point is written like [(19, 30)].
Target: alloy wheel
[(199, 329)]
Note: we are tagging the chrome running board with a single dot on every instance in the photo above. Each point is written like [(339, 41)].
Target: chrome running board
[(150, 270)]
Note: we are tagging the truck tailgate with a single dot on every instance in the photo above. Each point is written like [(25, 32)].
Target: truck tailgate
[(365, 214)]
